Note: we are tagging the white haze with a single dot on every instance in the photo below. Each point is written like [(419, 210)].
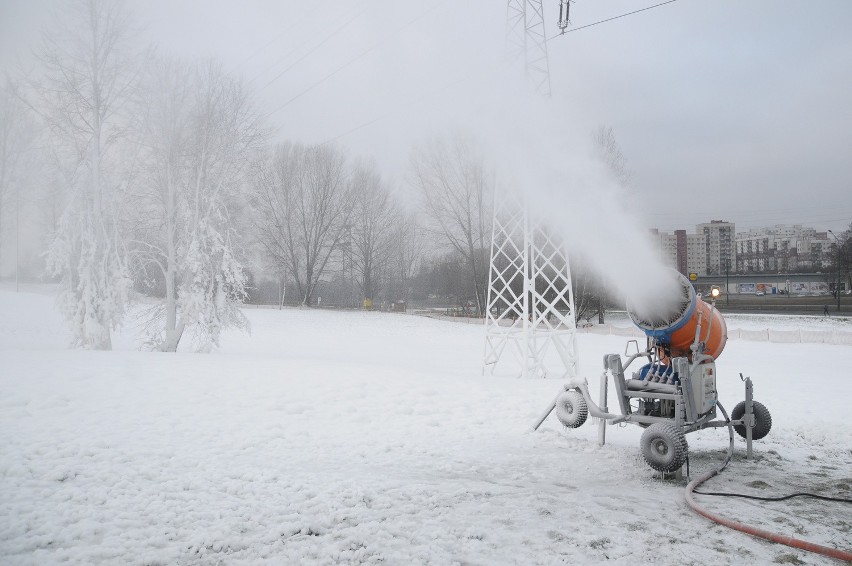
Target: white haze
[(546, 150), (744, 101), (442, 74), (577, 197)]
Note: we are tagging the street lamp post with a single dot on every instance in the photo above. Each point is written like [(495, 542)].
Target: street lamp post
[(837, 268), (727, 282)]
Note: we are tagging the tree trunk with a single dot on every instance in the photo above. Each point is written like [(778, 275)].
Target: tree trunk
[(173, 336), (479, 306), (173, 330), (368, 285), (99, 268)]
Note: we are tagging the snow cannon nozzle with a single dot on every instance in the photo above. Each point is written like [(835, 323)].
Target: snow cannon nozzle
[(670, 311)]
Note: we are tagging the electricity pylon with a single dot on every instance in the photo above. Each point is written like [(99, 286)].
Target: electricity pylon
[(526, 40), (530, 305)]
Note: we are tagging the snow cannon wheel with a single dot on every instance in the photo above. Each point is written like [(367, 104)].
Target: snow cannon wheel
[(571, 409), (664, 447), (762, 420)]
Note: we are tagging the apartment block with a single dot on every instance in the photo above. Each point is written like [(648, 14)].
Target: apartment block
[(710, 250), (783, 248), (667, 245), (720, 246)]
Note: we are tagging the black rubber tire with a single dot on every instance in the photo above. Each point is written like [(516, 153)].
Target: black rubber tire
[(664, 447), (571, 409), (762, 420)]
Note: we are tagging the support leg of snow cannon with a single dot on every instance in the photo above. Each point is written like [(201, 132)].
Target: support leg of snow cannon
[(549, 409), (679, 410), (749, 415), (604, 408), (583, 387)]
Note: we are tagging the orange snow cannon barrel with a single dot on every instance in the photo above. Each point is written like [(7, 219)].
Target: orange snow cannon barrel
[(673, 318)]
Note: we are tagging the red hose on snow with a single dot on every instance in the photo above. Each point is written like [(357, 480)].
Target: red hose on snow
[(754, 531)]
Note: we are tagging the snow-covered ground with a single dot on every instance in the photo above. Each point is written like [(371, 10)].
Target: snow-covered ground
[(344, 437)]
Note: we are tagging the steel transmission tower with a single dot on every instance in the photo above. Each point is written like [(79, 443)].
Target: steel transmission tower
[(526, 41), (530, 306)]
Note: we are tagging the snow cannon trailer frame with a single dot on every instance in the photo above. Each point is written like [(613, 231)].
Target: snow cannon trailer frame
[(670, 396)]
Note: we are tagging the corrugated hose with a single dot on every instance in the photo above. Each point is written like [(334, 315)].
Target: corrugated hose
[(748, 529)]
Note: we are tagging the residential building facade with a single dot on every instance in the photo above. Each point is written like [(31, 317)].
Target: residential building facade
[(720, 246), (709, 251), (783, 248)]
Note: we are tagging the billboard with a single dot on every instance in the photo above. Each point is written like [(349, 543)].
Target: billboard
[(795, 288), (820, 288), (766, 288), (800, 288)]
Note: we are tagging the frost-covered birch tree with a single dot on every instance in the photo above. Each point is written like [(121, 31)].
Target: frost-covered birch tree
[(87, 64), (302, 200), (200, 133)]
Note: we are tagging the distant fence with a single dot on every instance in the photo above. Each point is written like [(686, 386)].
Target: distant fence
[(451, 318), (798, 336)]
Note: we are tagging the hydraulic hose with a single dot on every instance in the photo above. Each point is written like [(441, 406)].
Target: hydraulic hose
[(750, 530)]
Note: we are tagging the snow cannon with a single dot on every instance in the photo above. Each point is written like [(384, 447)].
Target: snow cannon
[(674, 392), (674, 315)]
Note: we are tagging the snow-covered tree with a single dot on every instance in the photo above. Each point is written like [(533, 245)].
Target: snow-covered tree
[(200, 132), (607, 150), (407, 248), (16, 137), (373, 221), (87, 75), (590, 293), (302, 200), (451, 178)]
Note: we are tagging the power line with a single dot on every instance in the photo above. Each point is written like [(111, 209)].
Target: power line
[(313, 49), (386, 115), (356, 128), (322, 80), (613, 18), (354, 59), (415, 98), (264, 46), (257, 51)]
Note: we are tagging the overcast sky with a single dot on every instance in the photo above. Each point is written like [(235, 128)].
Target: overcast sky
[(732, 109)]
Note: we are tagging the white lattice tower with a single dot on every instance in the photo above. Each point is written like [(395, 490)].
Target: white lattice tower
[(530, 306), (526, 39)]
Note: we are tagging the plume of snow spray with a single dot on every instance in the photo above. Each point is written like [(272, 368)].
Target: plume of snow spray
[(574, 193)]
